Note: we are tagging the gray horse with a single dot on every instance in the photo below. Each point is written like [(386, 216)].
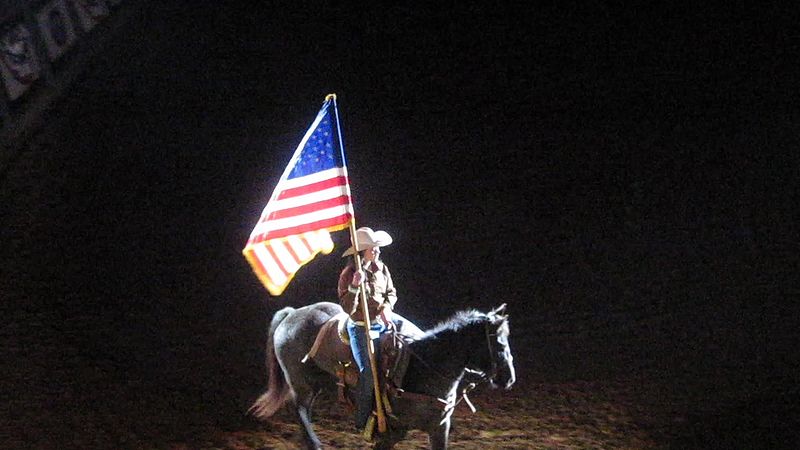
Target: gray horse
[(470, 344)]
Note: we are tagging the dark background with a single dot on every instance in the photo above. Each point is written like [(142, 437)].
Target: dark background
[(625, 179)]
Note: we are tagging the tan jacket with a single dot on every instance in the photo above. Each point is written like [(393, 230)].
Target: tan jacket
[(379, 288)]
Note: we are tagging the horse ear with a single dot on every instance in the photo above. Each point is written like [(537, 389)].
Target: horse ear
[(500, 310)]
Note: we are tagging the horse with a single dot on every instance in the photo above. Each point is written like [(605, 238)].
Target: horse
[(471, 345)]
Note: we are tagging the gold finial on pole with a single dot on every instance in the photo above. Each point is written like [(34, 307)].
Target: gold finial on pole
[(330, 97)]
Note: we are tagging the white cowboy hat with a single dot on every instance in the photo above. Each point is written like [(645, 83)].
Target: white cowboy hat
[(366, 238)]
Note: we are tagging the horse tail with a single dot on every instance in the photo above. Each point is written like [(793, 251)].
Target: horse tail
[(278, 389)]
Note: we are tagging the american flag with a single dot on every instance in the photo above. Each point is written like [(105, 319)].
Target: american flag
[(312, 198)]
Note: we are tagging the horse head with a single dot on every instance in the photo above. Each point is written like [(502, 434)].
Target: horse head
[(496, 364)]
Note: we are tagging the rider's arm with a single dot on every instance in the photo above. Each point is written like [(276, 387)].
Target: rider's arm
[(391, 294), (347, 292)]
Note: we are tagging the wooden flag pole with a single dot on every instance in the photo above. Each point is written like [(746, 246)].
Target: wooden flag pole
[(370, 345), (362, 292)]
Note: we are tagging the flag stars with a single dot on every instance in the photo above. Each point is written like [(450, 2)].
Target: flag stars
[(319, 152)]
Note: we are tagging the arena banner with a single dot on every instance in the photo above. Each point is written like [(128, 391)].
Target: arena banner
[(56, 27), (90, 12), (18, 62)]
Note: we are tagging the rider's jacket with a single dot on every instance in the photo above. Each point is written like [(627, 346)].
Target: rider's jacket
[(379, 288)]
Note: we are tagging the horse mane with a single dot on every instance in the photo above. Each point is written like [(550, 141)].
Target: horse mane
[(458, 321)]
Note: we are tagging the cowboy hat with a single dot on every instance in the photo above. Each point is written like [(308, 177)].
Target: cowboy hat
[(366, 238)]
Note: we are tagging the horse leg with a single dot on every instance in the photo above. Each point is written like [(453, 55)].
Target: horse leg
[(305, 388), (303, 402), (439, 436)]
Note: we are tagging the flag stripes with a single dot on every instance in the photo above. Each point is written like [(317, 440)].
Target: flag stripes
[(309, 208), (311, 199), (314, 187), (302, 207), (276, 261)]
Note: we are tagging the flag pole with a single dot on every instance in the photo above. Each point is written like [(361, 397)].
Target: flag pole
[(362, 292), (370, 345)]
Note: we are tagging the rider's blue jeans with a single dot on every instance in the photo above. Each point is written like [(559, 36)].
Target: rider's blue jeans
[(365, 389)]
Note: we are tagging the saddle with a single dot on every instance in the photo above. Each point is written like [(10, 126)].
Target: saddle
[(332, 349)]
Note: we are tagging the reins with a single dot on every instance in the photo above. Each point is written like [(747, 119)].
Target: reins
[(450, 405)]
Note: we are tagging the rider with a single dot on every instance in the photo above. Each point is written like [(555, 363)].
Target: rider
[(374, 277)]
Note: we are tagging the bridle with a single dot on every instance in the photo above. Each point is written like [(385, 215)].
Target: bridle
[(450, 404), (481, 374), (491, 341)]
